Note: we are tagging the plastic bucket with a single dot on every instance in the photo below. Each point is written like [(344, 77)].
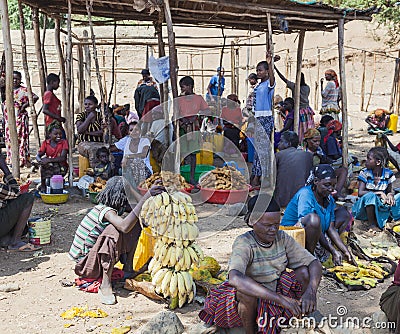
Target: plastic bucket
[(218, 142), (83, 165), (250, 149), (392, 125), (39, 232), (200, 169), (297, 233)]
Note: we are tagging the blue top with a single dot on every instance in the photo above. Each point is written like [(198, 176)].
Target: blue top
[(367, 176), (214, 85), (263, 94), (332, 147), (303, 203)]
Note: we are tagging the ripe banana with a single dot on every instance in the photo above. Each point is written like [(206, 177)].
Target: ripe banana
[(165, 260), (173, 285), (158, 277), (198, 251), (165, 283), (193, 255)]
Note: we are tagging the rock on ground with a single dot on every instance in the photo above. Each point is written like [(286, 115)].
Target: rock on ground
[(163, 322)]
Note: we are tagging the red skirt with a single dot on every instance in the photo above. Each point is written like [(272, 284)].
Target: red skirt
[(220, 306)]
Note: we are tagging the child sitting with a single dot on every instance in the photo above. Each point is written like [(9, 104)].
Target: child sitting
[(52, 155), (105, 168)]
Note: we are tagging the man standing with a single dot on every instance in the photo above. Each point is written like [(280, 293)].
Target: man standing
[(212, 89)]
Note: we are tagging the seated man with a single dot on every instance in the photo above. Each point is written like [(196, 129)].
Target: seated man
[(15, 209), (103, 236), (258, 278)]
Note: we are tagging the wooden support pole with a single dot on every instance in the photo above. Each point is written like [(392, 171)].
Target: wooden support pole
[(362, 94), (61, 64), (372, 85), (5, 28), (271, 167), (316, 95), (38, 49), (43, 42), (296, 96), (88, 64), (233, 83), (27, 74), (112, 69), (81, 78), (342, 70), (287, 74), (237, 78), (98, 74), (69, 124)]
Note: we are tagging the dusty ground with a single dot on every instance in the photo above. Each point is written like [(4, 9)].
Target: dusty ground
[(37, 306)]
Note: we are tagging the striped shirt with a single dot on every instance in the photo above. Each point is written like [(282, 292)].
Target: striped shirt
[(90, 228), (8, 190), (367, 176), (330, 94), (94, 126), (265, 265)]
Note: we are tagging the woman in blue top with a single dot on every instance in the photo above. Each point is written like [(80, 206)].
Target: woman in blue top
[(377, 201), (313, 208)]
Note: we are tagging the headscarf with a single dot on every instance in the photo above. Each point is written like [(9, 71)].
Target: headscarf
[(380, 112), (333, 75), (332, 126), (320, 172)]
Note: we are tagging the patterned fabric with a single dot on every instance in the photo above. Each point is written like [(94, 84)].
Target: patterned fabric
[(266, 265), (367, 176), (306, 121), (220, 306), (90, 228), (149, 82), (330, 97), (20, 98), (8, 190), (94, 126), (262, 134), (250, 100)]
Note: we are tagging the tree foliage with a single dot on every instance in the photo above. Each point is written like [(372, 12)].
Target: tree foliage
[(389, 14)]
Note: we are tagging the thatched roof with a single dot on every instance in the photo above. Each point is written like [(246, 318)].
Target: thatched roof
[(245, 15)]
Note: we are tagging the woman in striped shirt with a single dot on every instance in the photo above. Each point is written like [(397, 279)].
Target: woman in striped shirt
[(377, 200)]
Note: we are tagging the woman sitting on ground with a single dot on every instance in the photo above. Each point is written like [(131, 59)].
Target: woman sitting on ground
[(52, 155), (311, 143), (103, 236), (313, 208), (378, 121), (259, 286), (377, 200)]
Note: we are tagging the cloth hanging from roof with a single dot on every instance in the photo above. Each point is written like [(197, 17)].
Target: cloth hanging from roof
[(159, 68)]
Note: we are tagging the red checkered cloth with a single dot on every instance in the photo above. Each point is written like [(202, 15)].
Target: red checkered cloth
[(220, 306)]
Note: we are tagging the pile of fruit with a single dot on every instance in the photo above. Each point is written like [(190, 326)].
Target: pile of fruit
[(365, 274), (224, 178), (98, 185), (168, 179), (208, 271), (172, 219)]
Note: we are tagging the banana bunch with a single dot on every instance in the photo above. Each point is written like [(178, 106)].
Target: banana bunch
[(172, 219), (363, 274), (175, 284)]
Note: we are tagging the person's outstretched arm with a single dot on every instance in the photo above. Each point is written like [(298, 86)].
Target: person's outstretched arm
[(281, 75)]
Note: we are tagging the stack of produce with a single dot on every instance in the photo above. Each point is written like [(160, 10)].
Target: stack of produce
[(98, 185), (169, 180), (208, 271), (365, 274), (172, 219), (225, 178)]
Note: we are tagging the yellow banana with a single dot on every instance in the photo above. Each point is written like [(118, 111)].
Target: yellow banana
[(173, 285), (165, 198), (177, 231), (158, 276), (158, 200), (188, 280), (170, 231), (187, 262), (172, 258), (165, 260), (193, 255), (198, 251), (182, 300), (193, 231), (156, 267), (168, 210), (165, 283), (181, 283), (151, 264), (175, 210), (185, 231)]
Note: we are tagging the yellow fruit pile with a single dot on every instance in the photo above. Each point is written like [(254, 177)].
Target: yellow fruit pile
[(208, 271), (98, 185), (366, 274), (172, 219), (225, 178), (168, 179)]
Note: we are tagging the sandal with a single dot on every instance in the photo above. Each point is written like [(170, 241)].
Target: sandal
[(24, 248)]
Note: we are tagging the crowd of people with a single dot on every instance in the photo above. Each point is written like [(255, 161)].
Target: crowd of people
[(270, 275)]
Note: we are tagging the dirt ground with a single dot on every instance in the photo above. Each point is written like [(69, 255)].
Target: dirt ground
[(37, 306)]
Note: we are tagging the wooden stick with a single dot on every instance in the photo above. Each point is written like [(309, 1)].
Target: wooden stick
[(98, 74), (372, 84), (27, 74), (112, 69), (88, 64), (69, 91), (61, 62), (362, 94), (270, 49), (233, 83), (316, 95), (5, 27), (220, 72), (342, 70), (299, 61), (43, 44), (38, 48), (236, 73), (81, 78)]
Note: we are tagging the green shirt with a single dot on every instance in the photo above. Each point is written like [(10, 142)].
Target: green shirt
[(90, 228), (265, 265)]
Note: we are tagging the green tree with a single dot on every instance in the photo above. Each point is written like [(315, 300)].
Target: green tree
[(389, 14)]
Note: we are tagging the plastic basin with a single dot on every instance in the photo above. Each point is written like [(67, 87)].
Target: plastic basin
[(55, 198), (215, 196), (200, 169), (92, 197)]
